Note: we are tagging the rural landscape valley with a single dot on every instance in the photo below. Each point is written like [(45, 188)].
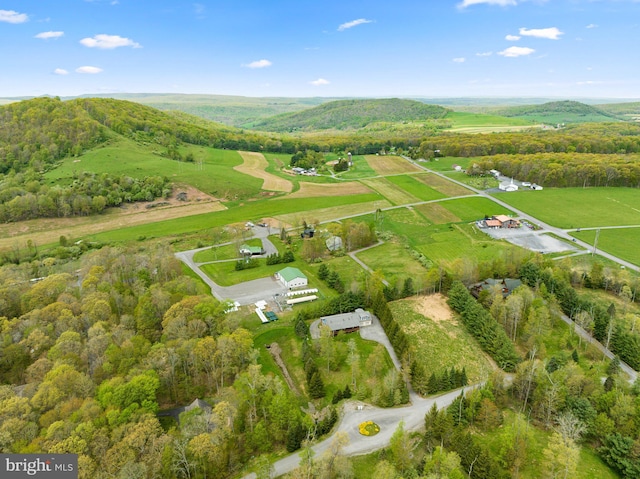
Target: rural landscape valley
[(319, 240), (164, 279)]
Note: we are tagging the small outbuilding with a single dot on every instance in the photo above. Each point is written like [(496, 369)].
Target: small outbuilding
[(247, 250), (292, 277)]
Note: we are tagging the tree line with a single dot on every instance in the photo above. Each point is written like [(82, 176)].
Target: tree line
[(566, 169), (26, 196)]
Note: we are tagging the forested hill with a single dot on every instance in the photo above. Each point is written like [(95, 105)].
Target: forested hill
[(558, 112), (42, 130), (352, 115)]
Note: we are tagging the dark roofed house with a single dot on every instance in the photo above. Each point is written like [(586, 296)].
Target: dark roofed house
[(347, 322)]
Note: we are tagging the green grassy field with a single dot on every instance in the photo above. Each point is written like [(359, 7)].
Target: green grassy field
[(474, 208), (465, 120), (360, 169), (393, 260), (126, 157), (395, 194), (621, 242), (416, 188), (441, 343), (579, 207), (445, 164), (241, 212)]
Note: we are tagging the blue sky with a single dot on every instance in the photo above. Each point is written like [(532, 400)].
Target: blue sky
[(372, 48)]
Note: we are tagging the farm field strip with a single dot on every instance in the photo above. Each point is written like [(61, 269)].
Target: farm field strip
[(393, 193), (447, 188), (313, 190), (390, 165), (254, 164), (415, 187), (334, 212), (436, 213)]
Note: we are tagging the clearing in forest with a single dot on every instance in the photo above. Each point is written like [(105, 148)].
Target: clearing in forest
[(315, 190), (445, 187), (439, 341), (390, 165), (254, 164)]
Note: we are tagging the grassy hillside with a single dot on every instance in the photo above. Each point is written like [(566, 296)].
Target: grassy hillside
[(352, 115)]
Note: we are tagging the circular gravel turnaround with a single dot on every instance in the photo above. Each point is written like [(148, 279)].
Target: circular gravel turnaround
[(369, 428)]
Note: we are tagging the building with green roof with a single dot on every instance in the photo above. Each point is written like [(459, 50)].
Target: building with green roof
[(292, 277)]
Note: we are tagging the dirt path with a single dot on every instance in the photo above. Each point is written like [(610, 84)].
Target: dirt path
[(275, 351), (255, 164)]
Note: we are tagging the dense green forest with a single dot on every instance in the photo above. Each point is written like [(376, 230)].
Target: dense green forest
[(559, 111), (567, 169)]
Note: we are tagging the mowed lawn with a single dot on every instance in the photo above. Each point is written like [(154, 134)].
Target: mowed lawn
[(579, 207), (439, 341), (621, 242)]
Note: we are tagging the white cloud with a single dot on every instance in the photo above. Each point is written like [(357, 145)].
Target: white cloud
[(258, 64), (319, 82), (108, 42), (48, 35), (459, 60), (592, 25), (516, 52), (502, 3), (589, 82), (89, 70), (512, 38), (484, 54), (550, 33), (11, 16), (353, 23), (60, 71)]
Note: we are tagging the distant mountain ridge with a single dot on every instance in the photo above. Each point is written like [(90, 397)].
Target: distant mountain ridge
[(352, 115)]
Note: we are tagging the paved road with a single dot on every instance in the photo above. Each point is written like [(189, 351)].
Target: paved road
[(244, 293), (387, 419)]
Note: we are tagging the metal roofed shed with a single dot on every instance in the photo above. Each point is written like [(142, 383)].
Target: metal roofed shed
[(292, 277)]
